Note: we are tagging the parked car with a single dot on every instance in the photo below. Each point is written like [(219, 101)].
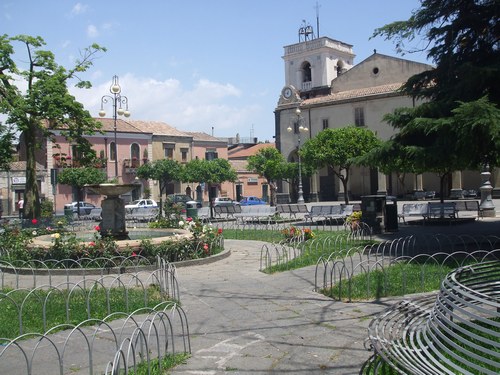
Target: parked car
[(181, 199), (225, 201), (252, 201), (85, 207), (141, 203)]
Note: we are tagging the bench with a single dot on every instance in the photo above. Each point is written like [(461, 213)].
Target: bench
[(330, 212), (441, 210), (470, 207), (412, 210), (292, 209), (142, 214), (255, 213), (225, 212)]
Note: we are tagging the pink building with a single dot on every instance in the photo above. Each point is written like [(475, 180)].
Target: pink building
[(133, 149)]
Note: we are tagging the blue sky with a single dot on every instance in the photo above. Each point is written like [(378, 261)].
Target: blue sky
[(197, 64)]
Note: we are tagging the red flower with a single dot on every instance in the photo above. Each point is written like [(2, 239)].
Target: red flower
[(189, 219), (97, 228), (34, 221), (92, 243), (219, 231), (134, 254)]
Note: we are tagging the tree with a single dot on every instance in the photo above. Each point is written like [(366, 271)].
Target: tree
[(336, 149), (164, 171), (390, 157), (44, 105), (212, 172), (463, 41), (79, 177), (270, 164)]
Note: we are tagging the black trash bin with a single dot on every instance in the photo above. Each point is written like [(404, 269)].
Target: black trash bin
[(373, 211), (391, 214)]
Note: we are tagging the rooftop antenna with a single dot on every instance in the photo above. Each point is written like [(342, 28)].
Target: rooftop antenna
[(317, 19), (306, 32)]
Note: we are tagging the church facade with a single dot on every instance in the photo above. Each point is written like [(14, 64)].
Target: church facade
[(322, 81)]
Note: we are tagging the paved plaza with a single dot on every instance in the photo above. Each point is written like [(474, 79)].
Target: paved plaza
[(243, 321)]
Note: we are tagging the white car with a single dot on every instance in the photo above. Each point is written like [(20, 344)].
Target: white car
[(141, 203), (224, 201)]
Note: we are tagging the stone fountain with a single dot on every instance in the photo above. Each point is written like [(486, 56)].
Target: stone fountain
[(113, 209)]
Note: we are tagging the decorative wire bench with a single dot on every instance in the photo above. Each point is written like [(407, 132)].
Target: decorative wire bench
[(455, 332)]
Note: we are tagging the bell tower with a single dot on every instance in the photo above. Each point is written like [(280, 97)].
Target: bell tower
[(312, 63)]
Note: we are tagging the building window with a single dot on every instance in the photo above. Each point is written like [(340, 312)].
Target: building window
[(359, 116), (112, 151), (169, 150), (184, 155), (325, 123), (211, 154), (134, 151), (169, 153)]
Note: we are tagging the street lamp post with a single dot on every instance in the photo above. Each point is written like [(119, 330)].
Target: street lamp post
[(301, 129), (117, 100)]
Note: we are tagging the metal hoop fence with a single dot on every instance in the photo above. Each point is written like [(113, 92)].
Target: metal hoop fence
[(455, 331)]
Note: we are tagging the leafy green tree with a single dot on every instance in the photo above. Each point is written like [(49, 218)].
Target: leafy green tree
[(461, 38), (164, 171), (271, 164), (212, 172), (390, 157), (44, 105), (79, 177), (336, 149)]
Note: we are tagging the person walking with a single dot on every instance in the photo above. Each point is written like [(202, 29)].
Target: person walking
[(20, 206)]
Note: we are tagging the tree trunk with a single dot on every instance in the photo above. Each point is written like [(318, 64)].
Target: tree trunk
[(272, 193), (32, 207)]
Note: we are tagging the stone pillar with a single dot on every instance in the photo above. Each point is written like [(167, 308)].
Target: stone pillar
[(496, 183), (419, 182), (382, 184), (456, 185), (113, 218), (486, 206), (313, 195)]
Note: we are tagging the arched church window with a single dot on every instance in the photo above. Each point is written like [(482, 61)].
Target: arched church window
[(307, 74)]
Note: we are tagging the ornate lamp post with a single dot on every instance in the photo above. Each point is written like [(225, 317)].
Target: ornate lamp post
[(117, 100), (300, 129)]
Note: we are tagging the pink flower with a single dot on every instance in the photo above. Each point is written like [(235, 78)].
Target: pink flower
[(97, 228), (189, 219), (34, 221), (134, 254), (92, 243), (205, 247)]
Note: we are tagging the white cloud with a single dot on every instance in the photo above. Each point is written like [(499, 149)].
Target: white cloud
[(92, 31), (79, 8), (199, 108)]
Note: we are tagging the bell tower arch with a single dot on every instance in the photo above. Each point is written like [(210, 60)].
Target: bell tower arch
[(312, 63)]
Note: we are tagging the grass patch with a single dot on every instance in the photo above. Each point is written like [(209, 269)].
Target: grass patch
[(167, 362), (305, 255), (55, 311), (396, 280)]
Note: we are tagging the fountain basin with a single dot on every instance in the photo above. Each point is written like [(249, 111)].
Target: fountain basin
[(155, 236)]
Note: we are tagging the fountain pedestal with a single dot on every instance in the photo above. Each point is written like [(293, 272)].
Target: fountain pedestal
[(113, 209)]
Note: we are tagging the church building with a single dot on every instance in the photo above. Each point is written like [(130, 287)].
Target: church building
[(329, 90)]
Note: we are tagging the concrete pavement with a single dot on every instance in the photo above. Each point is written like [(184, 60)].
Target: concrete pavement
[(243, 321)]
